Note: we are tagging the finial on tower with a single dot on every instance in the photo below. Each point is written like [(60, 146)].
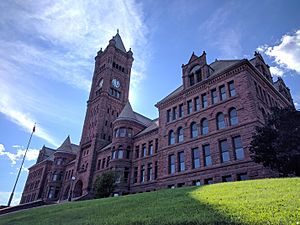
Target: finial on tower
[(117, 31)]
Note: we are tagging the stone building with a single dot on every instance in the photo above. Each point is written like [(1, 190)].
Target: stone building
[(201, 136)]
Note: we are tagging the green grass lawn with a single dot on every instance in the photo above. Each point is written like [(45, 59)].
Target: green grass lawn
[(269, 201)]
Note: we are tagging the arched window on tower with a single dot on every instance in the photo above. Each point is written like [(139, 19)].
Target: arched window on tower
[(171, 137), (204, 126), (191, 79), (220, 121), (194, 130), (233, 119), (180, 135)]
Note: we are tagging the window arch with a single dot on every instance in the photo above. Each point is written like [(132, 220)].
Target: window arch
[(220, 121), (171, 137), (194, 130), (233, 119), (180, 136), (204, 126)]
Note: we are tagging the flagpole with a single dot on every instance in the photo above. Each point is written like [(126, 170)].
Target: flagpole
[(12, 193)]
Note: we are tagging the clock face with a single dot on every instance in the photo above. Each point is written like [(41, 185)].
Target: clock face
[(115, 83)]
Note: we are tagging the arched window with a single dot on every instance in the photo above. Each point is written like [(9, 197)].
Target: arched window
[(180, 136), (171, 137), (233, 119), (191, 79), (204, 126), (194, 130), (220, 121), (120, 152)]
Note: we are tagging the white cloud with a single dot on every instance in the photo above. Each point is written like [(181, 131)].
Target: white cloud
[(22, 119), (4, 196), (31, 155), (57, 41), (297, 105), (287, 53), (276, 71)]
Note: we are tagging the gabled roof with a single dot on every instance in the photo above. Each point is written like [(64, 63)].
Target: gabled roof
[(119, 42), (67, 146), (193, 57), (221, 65), (154, 125), (216, 67), (128, 114), (173, 93)]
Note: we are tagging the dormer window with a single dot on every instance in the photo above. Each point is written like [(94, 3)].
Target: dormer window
[(191, 79), (195, 75)]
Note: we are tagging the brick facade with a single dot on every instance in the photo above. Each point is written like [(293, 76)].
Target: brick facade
[(202, 135)]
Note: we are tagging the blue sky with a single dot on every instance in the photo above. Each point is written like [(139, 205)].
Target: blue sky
[(47, 51)]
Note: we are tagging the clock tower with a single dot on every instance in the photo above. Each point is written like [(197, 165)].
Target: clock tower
[(108, 96)]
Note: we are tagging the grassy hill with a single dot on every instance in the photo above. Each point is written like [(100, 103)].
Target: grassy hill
[(269, 201)]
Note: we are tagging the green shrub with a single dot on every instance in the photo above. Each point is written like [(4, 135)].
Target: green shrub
[(104, 184)]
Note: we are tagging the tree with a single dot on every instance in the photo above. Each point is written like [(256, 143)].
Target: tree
[(277, 144), (104, 184)]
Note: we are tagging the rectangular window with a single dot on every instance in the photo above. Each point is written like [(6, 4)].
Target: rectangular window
[(156, 145), (144, 150), (265, 96), (242, 176), (108, 160), (181, 112), (224, 151), (196, 158), (122, 132), (169, 116), (197, 104), (189, 107), (198, 76), (256, 88), (174, 113), (214, 96), (149, 172), (126, 174), (171, 164), (99, 164), (222, 91), (207, 156), (204, 101), (120, 154), (227, 178), (137, 151), (135, 175), (260, 91), (181, 163), (150, 148), (231, 88), (103, 163), (238, 148), (269, 98), (142, 178)]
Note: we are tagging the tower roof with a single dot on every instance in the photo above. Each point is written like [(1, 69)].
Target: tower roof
[(128, 114), (119, 42), (67, 146)]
